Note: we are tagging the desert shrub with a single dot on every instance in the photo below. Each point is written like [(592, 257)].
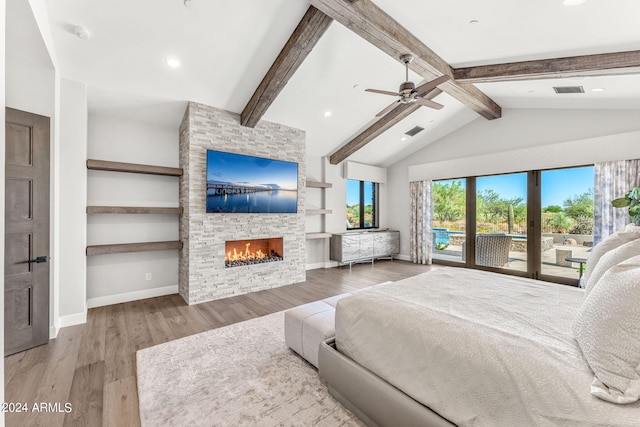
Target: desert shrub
[(583, 225), (557, 222)]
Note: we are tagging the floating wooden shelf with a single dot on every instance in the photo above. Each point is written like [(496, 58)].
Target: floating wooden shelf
[(316, 184), (318, 211), (105, 165), (132, 247), (320, 235), (132, 210)]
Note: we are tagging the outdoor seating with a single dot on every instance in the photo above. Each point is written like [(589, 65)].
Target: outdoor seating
[(492, 250)]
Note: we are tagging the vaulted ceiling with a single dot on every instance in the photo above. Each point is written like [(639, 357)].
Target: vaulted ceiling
[(227, 48)]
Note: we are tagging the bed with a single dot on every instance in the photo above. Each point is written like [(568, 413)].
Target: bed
[(472, 348)]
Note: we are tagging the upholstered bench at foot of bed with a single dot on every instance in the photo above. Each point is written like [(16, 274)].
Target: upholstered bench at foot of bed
[(308, 325)]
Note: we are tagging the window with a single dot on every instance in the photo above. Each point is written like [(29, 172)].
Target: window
[(501, 221), (362, 204), (536, 224), (449, 201), (567, 220)]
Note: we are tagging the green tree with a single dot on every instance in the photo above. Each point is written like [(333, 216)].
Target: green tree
[(353, 215), (494, 209), (580, 205), (552, 209), (557, 222), (449, 201)]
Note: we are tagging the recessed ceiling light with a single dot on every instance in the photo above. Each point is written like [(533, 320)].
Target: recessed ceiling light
[(404, 138), (598, 89), (572, 2), (82, 33), (327, 113), (172, 62)]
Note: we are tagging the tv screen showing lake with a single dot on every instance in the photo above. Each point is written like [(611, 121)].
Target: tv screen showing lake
[(276, 201), (237, 183)]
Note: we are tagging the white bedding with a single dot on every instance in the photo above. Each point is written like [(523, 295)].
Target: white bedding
[(479, 348)]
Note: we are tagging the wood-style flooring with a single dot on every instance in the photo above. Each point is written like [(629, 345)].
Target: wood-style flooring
[(92, 366)]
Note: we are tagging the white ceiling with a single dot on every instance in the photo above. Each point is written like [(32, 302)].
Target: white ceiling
[(226, 47)]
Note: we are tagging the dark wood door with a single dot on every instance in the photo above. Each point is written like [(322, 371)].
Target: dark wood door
[(26, 266)]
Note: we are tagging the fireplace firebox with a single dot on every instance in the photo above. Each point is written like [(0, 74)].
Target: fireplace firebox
[(239, 253)]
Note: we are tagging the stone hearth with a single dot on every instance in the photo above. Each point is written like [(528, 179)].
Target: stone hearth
[(203, 276)]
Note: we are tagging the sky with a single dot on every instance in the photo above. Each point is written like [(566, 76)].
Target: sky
[(353, 193), (241, 169), (557, 185)]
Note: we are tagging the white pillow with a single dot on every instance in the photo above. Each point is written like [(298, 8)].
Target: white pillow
[(611, 258), (607, 329), (619, 238)]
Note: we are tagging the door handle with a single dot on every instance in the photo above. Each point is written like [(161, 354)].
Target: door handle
[(38, 260)]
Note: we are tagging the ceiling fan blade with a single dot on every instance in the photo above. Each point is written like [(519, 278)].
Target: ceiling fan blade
[(389, 108), (383, 92), (429, 86), (429, 103)]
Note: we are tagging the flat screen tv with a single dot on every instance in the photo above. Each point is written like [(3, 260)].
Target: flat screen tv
[(237, 183)]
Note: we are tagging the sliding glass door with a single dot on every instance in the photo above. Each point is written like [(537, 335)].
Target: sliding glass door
[(536, 224), (566, 220), (501, 221), (449, 226)]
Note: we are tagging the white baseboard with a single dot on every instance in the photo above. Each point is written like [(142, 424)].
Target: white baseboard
[(323, 264), (53, 332), (72, 319), (131, 296), (402, 257)]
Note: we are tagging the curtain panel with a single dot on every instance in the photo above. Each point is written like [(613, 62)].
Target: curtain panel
[(612, 180), (421, 243)]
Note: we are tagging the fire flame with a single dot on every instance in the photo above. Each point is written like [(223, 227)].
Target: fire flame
[(246, 255)]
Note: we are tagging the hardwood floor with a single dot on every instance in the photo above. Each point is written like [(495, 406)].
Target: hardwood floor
[(92, 366)]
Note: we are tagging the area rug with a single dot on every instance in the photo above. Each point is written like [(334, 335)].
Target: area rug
[(238, 375)]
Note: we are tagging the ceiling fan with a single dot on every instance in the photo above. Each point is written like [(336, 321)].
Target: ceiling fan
[(408, 92)]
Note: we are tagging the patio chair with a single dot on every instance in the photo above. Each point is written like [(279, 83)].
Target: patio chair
[(492, 250)]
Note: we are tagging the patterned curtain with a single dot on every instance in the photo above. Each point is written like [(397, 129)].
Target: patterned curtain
[(612, 180), (420, 231)]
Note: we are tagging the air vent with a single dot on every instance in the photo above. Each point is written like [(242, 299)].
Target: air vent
[(568, 89), (415, 130)]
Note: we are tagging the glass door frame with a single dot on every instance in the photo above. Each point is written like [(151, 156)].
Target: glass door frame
[(534, 232)]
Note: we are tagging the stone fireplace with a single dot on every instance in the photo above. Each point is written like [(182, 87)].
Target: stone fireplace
[(204, 273), (239, 253)]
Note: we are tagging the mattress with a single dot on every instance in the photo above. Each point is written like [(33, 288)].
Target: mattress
[(479, 349)]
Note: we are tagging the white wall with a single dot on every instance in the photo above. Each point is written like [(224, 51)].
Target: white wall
[(2, 148), (122, 277), (31, 82), (317, 249), (72, 203), (521, 140), (320, 169)]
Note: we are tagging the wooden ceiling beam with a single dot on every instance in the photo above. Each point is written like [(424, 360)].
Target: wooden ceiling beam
[(303, 39), (605, 64), (386, 122), (372, 24)]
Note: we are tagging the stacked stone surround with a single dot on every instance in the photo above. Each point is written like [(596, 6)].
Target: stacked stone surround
[(202, 276)]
